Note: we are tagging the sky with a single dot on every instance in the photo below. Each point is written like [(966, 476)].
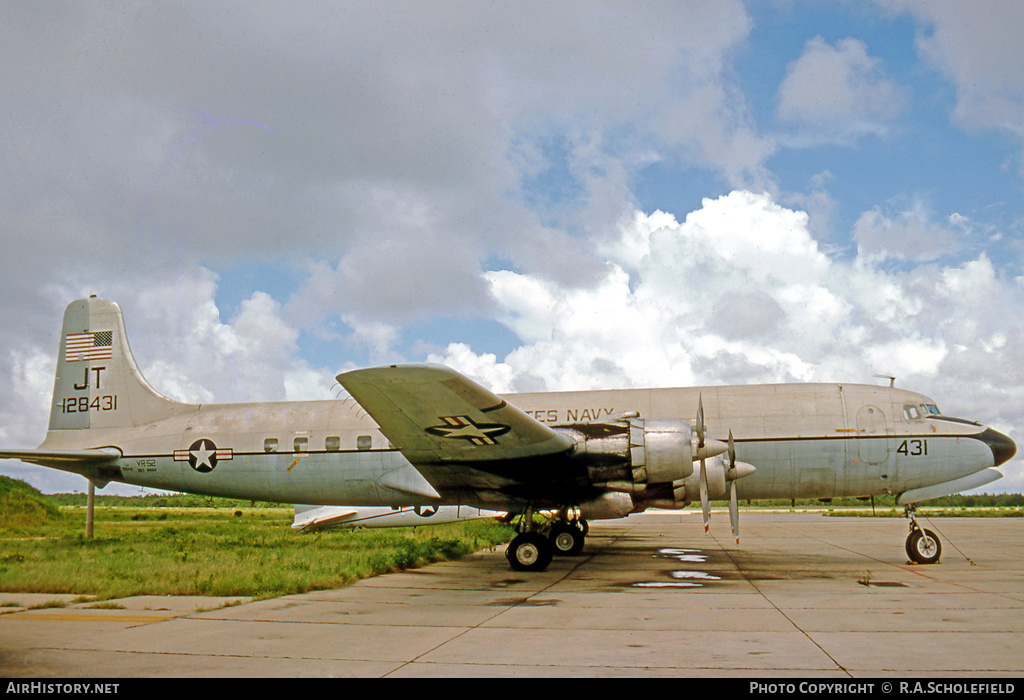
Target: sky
[(543, 196)]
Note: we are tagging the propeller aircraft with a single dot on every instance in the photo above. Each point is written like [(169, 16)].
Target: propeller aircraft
[(425, 435)]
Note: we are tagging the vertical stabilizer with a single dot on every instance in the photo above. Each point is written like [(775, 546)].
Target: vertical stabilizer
[(98, 384)]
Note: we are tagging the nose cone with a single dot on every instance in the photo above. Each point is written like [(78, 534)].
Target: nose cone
[(1003, 448)]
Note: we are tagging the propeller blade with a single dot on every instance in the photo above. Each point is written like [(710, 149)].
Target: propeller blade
[(732, 451), (700, 421), (704, 505), (734, 511)]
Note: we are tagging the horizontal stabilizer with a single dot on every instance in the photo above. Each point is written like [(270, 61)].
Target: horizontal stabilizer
[(64, 459), (434, 414), (321, 517), (312, 518)]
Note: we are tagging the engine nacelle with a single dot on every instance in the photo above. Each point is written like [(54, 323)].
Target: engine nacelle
[(607, 506), (715, 468), (685, 491), (630, 454)]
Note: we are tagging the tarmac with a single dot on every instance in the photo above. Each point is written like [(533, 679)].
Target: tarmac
[(803, 596)]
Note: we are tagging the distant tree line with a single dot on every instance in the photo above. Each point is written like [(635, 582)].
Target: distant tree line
[(959, 500)]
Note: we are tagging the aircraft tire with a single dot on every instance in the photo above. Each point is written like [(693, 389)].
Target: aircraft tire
[(529, 551), (924, 547), (567, 540)]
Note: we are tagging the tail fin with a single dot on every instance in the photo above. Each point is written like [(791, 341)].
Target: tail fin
[(98, 384)]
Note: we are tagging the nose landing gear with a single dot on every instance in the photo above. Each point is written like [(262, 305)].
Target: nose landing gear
[(923, 546)]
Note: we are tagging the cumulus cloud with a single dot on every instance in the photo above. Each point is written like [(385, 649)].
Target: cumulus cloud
[(192, 354), (837, 93), (182, 135), (679, 298), (976, 46), (912, 234)]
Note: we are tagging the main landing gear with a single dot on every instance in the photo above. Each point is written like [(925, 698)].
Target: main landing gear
[(923, 546), (536, 544)]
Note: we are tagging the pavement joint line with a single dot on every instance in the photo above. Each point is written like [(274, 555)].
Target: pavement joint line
[(576, 565), (728, 552)]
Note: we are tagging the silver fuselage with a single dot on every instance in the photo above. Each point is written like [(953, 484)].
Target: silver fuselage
[(806, 441)]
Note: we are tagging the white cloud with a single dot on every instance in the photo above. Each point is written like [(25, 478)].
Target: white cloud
[(909, 235), (26, 400), (496, 376), (837, 93), (383, 139), (740, 281), (977, 47)]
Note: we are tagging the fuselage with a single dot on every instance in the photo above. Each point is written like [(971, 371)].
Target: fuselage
[(805, 440)]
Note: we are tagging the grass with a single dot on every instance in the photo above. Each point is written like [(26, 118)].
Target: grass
[(215, 549)]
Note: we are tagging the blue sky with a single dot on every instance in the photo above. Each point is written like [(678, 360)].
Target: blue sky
[(544, 196)]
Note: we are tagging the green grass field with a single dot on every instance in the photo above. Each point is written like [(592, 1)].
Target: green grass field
[(195, 545), (215, 547)]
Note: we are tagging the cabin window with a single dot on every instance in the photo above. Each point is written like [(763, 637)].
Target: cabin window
[(301, 444), (270, 445), (364, 442), (911, 412), (332, 443)]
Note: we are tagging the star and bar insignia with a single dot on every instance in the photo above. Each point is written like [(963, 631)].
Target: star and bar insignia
[(465, 428), (203, 455)]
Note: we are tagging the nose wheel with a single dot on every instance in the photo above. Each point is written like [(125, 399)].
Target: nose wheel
[(923, 546)]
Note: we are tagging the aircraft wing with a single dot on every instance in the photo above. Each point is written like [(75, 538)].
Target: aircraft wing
[(434, 415), (62, 459)]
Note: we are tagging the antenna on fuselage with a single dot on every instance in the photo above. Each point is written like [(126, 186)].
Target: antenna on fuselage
[(892, 379)]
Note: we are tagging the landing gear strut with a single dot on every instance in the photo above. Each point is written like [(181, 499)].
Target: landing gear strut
[(923, 546)]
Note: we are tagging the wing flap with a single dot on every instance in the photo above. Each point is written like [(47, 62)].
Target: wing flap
[(434, 414)]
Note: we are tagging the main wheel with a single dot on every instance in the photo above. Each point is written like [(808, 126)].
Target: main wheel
[(529, 551), (924, 547), (567, 540)]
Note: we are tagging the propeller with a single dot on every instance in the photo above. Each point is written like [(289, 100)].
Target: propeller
[(705, 506), (705, 449)]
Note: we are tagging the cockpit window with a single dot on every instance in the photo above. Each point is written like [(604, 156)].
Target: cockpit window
[(910, 412), (931, 409)]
